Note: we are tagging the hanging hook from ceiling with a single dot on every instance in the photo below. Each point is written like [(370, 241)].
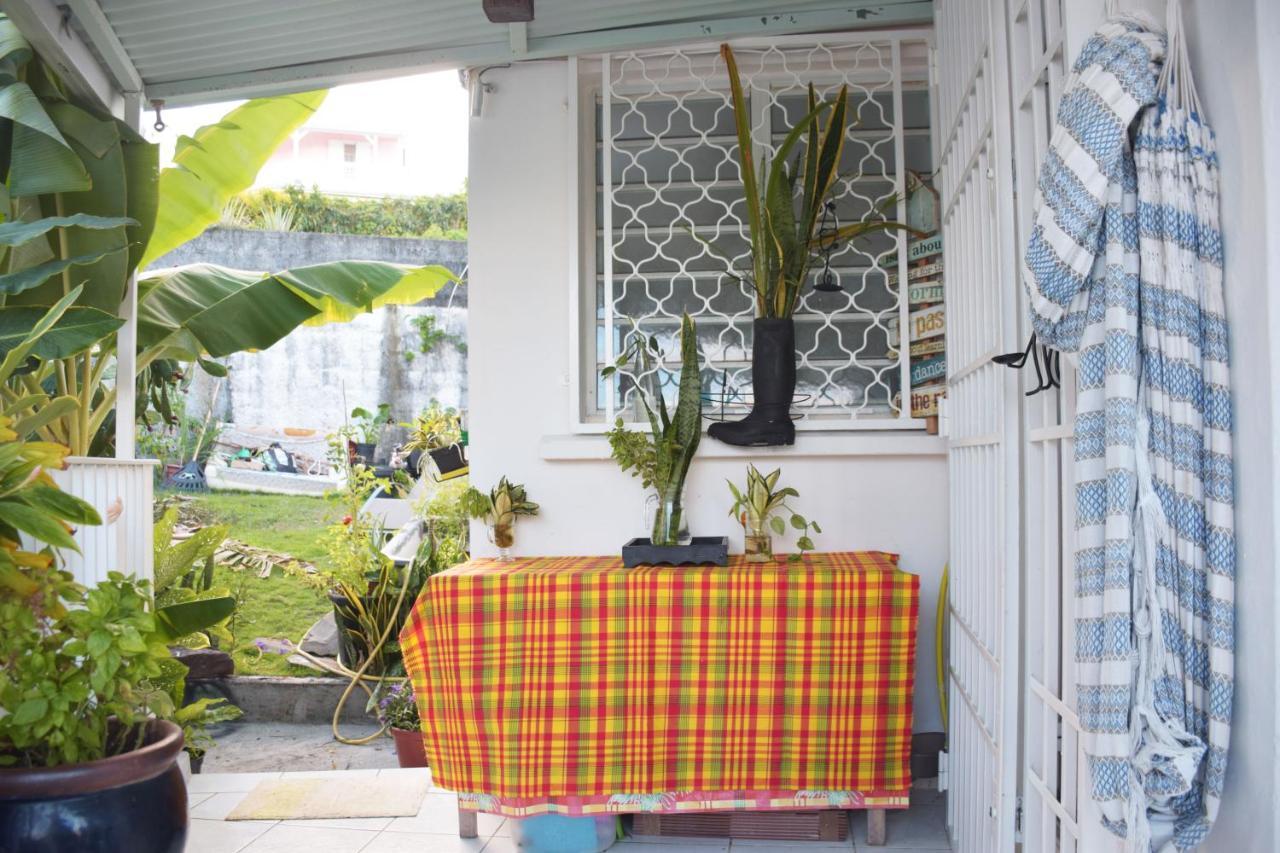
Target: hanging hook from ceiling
[(158, 105)]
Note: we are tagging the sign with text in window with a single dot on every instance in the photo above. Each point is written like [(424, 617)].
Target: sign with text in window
[(927, 323)]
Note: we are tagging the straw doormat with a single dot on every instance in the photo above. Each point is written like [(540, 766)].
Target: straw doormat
[(317, 797)]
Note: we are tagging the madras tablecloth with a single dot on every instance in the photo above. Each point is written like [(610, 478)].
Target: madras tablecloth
[(577, 679)]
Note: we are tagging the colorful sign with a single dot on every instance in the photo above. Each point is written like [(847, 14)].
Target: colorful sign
[(918, 273), (928, 370), (918, 250), (924, 401), (932, 346), (928, 322)]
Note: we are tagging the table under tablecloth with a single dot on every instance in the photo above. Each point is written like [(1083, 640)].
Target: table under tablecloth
[(573, 684)]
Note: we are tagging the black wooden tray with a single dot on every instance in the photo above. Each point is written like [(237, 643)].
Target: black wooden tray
[(702, 550)]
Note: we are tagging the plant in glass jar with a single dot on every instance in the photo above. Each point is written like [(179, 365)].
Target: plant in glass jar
[(661, 459), (499, 509), (760, 507)]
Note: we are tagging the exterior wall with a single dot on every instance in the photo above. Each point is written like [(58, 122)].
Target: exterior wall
[(869, 491)]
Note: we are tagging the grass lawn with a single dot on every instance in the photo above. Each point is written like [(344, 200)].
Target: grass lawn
[(281, 605)]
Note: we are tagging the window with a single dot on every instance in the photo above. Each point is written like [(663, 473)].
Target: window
[(666, 184), (348, 152)]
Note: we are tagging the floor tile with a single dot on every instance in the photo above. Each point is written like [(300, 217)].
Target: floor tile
[(439, 815), (217, 806), (406, 773), (369, 824), (921, 827), (217, 783), (422, 842), (194, 800), (668, 840), (307, 839), (218, 836), (330, 774), (756, 846)]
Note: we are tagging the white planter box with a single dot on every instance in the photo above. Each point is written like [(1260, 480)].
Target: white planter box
[(121, 491)]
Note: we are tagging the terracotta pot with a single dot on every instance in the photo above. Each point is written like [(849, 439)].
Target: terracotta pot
[(410, 750), (136, 802)]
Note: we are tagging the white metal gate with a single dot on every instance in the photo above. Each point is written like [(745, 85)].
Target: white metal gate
[(982, 409)]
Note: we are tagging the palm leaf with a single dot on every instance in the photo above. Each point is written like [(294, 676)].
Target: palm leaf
[(219, 162)]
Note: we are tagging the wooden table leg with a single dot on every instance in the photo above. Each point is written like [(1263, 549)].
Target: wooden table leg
[(875, 827), (467, 823)]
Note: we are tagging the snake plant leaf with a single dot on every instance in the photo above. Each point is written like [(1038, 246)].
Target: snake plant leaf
[(206, 309), (688, 415), (746, 162), (220, 161)]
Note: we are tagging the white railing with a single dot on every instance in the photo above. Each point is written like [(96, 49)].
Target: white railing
[(666, 218), (121, 491)]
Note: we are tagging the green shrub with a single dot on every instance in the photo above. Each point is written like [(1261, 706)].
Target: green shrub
[(442, 217)]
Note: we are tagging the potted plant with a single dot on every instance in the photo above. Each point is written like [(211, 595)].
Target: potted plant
[(759, 508), (499, 509), (398, 712), (661, 459), (437, 431), (83, 764), (785, 239), (368, 429)]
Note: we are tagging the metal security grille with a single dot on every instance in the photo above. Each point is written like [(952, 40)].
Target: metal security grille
[(669, 220), (982, 420)]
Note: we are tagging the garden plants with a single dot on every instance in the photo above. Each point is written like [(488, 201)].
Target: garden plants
[(398, 711), (661, 460), (760, 508)]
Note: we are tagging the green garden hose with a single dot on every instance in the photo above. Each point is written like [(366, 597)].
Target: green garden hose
[(939, 633)]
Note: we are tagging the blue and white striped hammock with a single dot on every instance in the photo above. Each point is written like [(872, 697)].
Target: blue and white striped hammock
[(1124, 271)]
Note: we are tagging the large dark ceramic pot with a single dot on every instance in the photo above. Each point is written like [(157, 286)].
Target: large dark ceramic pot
[(135, 802), (352, 651)]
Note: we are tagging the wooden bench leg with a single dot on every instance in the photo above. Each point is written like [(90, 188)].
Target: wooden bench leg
[(467, 823), (875, 827)]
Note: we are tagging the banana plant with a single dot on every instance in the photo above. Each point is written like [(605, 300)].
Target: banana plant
[(662, 460), (85, 206), (786, 237)]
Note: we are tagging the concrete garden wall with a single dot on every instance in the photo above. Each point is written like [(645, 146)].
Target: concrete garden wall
[(868, 490), (315, 376)]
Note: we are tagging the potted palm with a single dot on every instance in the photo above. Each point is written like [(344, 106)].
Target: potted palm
[(84, 764), (760, 507), (784, 211), (499, 509)]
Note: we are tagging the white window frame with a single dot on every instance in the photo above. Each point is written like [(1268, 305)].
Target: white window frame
[(586, 82)]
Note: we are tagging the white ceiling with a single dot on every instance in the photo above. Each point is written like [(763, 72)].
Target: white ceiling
[(191, 51)]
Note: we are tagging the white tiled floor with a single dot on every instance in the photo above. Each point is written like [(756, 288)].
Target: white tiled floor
[(435, 828)]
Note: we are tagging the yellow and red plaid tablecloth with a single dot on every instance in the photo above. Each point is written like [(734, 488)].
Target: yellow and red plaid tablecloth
[(574, 677)]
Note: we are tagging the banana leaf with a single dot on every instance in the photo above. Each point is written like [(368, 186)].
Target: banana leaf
[(76, 330), (205, 309), (219, 162)]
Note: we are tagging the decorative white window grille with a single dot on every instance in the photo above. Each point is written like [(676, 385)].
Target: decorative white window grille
[(666, 184)]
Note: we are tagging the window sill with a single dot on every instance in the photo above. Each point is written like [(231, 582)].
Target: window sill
[(583, 448)]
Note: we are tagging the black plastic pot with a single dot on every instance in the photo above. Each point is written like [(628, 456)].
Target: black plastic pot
[(364, 451), (135, 802), (450, 461)]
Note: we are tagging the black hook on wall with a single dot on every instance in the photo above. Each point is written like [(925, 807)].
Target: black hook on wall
[(1048, 374)]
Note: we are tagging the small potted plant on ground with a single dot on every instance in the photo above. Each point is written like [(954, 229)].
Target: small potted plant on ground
[(759, 508), (83, 763), (398, 711), (499, 509), (368, 429)]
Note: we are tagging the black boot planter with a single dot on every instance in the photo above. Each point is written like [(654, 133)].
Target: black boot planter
[(773, 381)]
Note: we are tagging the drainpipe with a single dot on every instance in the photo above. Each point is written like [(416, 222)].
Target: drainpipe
[(127, 337)]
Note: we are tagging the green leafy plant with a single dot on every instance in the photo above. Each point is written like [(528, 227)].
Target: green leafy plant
[(74, 662), (785, 239), (439, 216), (368, 425), (430, 336), (661, 460), (499, 508), (434, 428), (760, 506), (443, 511), (86, 205), (190, 611), (397, 708)]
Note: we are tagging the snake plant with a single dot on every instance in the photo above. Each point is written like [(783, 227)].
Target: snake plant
[(785, 240), (662, 460)]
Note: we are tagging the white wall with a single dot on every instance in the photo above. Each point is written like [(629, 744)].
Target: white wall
[(519, 367)]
